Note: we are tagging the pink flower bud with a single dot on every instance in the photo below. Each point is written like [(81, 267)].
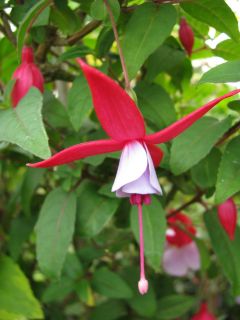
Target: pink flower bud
[(227, 214), (143, 286), (186, 36), (27, 75), (203, 313)]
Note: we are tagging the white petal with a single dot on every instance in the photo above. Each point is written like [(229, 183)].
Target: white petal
[(132, 165), (139, 186), (191, 255), (153, 177), (173, 263)]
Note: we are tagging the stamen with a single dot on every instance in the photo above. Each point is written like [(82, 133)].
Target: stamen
[(143, 283), (138, 200)]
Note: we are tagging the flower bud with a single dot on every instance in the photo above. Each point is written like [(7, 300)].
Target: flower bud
[(27, 75), (203, 313), (186, 36), (227, 214), (143, 286)]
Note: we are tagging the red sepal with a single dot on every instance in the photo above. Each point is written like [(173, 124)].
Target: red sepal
[(181, 125), (116, 111), (79, 151)]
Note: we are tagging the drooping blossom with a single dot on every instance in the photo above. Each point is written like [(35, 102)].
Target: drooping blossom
[(227, 214), (121, 119), (186, 36), (27, 75), (204, 313), (181, 253)]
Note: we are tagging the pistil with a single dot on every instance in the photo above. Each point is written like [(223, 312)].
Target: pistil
[(139, 200)]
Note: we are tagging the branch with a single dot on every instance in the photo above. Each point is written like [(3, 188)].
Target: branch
[(196, 198), (230, 132), (54, 72), (78, 35), (6, 29)]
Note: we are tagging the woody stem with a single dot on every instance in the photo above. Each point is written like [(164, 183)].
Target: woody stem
[(141, 241), (125, 73)]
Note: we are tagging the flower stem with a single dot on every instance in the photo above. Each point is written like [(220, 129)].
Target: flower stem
[(125, 73)]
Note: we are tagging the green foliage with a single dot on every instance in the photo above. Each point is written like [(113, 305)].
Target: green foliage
[(194, 144), (141, 38), (215, 13), (226, 72), (16, 298), (54, 231), (173, 306), (227, 252), (229, 172), (23, 125), (62, 231)]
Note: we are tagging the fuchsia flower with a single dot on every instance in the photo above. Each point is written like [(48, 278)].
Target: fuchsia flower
[(27, 75), (186, 36), (181, 253), (120, 118), (227, 214), (203, 313)]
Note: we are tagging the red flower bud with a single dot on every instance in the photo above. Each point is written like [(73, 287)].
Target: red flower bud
[(27, 75), (227, 214), (176, 236), (203, 313), (186, 36)]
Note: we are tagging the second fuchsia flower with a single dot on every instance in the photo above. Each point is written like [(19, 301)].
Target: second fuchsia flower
[(203, 313), (27, 75), (181, 253), (123, 122)]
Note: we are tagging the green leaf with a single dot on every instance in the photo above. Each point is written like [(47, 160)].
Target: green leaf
[(155, 104), (234, 105), (16, 298), (58, 290), (228, 180), (23, 125), (26, 22), (173, 306), (226, 250), (79, 105), (225, 72), (148, 27), (54, 231), (204, 174), (196, 142), (167, 57), (93, 210), (99, 10), (75, 52), (216, 14), (54, 112), (110, 284), (109, 310), (154, 226), (228, 50), (31, 180), (20, 230), (204, 254)]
